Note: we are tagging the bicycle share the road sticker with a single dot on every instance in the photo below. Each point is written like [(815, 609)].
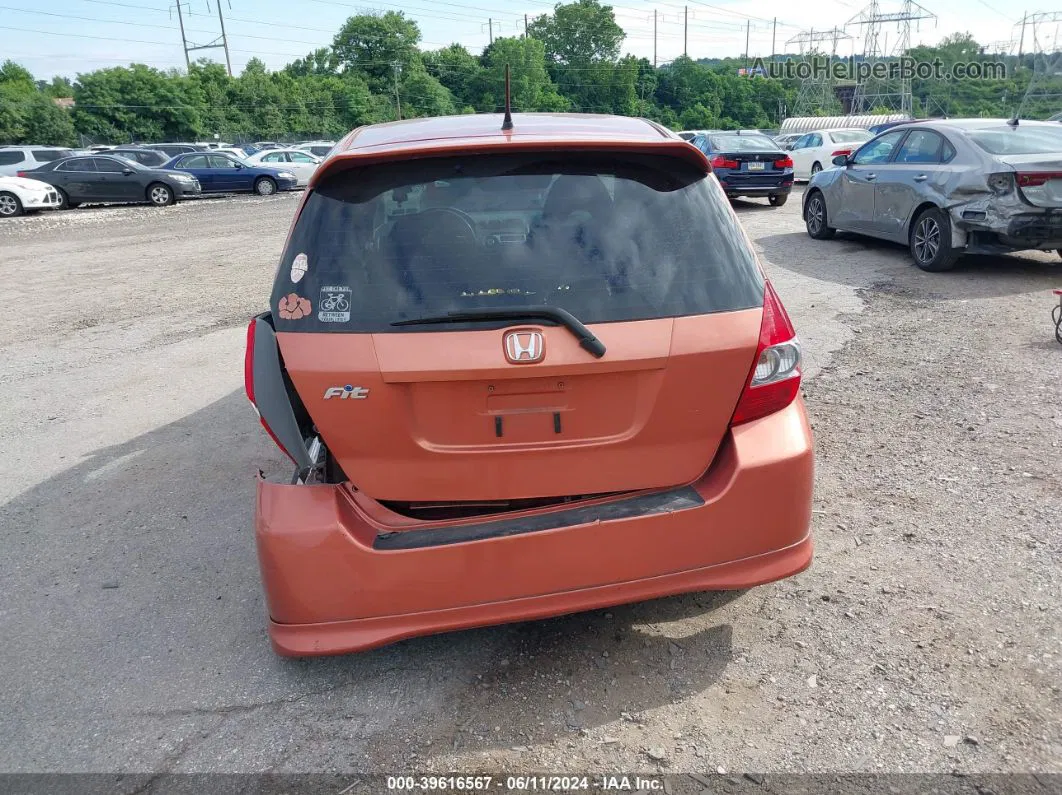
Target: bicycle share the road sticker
[(334, 306)]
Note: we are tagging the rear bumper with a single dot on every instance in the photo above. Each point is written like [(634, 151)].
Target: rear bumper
[(331, 588), (783, 190), (984, 228), (736, 188)]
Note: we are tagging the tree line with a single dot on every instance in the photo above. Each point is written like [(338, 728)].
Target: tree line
[(375, 71)]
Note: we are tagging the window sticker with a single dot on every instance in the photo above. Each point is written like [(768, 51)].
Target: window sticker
[(334, 305), (294, 307), (299, 266)]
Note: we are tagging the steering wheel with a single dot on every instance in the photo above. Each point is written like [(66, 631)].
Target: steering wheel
[(459, 224)]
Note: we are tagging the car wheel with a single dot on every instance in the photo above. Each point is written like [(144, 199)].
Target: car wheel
[(160, 195), (64, 200), (930, 240), (10, 206), (816, 168), (815, 218), (778, 199), (264, 186)]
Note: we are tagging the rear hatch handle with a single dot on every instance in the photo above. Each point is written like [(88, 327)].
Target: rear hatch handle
[(586, 337)]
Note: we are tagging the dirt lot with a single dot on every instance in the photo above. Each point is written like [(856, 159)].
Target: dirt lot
[(925, 637)]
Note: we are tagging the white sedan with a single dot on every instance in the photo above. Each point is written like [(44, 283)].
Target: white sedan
[(301, 164), (20, 195), (814, 151)]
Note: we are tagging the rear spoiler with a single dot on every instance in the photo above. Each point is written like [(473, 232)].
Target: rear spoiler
[(343, 160)]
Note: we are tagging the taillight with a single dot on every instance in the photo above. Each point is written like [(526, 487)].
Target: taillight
[(248, 385), (721, 162), (844, 152), (20, 174), (1034, 179), (775, 378), (785, 162), (248, 363)]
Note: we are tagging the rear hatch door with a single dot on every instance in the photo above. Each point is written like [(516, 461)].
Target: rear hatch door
[(418, 401)]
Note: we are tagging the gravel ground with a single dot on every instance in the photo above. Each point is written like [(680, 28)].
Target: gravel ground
[(925, 637)]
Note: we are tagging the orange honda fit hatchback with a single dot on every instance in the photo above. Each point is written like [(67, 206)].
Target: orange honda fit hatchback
[(522, 371)]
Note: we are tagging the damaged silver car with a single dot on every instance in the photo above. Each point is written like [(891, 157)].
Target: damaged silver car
[(947, 188)]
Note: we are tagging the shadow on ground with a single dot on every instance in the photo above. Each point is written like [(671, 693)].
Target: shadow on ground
[(858, 261), (132, 602)]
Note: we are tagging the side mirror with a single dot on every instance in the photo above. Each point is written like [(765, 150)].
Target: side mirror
[(127, 171), (841, 160), (239, 165)]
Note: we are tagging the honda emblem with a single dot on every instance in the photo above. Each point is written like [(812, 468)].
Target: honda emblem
[(524, 346)]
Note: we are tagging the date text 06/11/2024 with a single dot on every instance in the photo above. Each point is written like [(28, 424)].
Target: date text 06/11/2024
[(526, 783)]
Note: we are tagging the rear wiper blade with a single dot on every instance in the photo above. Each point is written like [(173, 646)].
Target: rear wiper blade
[(586, 338)]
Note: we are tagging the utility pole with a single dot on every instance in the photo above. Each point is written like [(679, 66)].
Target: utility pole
[(224, 39), (525, 26), (221, 41), (184, 39), (490, 26), (774, 35), (398, 99), (748, 29), (654, 38), (686, 31), (1021, 41)]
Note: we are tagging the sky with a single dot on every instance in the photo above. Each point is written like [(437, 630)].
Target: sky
[(64, 37)]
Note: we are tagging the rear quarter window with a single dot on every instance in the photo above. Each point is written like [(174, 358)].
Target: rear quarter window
[(1007, 140), (10, 158), (607, 238)]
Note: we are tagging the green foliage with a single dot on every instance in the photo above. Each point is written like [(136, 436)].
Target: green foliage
[(29, 114), (375, 45), (374, 70), (530, 86), (579, 33)]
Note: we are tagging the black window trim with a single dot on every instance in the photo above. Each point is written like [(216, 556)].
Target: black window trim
[(75, 161)]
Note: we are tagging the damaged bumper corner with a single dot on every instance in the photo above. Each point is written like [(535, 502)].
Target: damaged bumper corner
[(994, 225)]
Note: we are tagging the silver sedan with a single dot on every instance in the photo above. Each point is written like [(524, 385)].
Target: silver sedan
[(947, 188)]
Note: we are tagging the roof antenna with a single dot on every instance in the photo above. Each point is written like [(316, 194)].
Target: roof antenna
[(1013, 122), (507, 122)]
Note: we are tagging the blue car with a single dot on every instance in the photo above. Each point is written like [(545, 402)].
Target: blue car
[(219, 172), (748, 164)]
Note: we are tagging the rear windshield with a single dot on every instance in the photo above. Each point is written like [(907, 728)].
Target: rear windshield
[(1007, 140), (742, 143), (48, 155), (607, 239), (850, 136)]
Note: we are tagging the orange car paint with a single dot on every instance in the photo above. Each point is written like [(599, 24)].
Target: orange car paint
[(435, 395), (427, 432), (330, 592)]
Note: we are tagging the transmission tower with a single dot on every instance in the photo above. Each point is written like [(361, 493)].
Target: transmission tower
[(221, 42), (816, 96), (1043, 96), (893, 93)]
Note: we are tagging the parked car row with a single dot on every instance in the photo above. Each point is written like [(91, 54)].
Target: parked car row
[(38, 178), (946, 188)]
